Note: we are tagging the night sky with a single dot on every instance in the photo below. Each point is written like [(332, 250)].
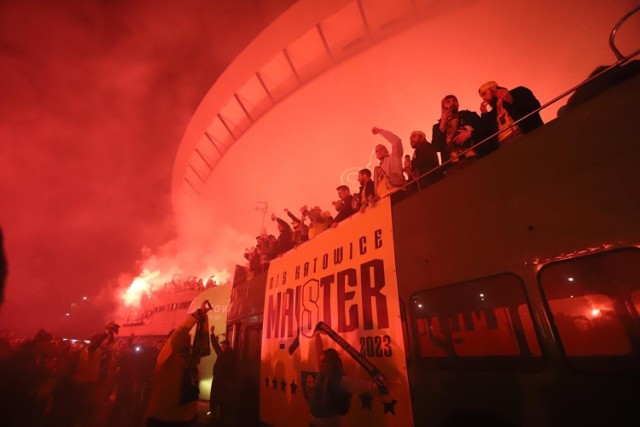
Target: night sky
[(95, 98), (96, 95)]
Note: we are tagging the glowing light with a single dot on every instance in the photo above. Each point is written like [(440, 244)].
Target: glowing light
[(481, 295), (205, 387), (570, 279), (163, 277), (141, 285), (595, 312), (419, 305), (84, 298), (67, 314)]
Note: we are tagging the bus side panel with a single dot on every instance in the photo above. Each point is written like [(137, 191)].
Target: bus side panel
[(346, 278), (570, 187)]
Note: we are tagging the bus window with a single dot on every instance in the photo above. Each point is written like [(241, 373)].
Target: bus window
[(593, 301), (483, 324)]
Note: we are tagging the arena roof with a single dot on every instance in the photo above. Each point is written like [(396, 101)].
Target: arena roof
[(290, 118)]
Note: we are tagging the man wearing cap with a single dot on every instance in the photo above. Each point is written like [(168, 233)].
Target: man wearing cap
[(223, 375), (500, 108), (320, 220), (388, 176), (457, 130)]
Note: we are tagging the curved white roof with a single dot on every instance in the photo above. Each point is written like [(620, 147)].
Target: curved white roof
[(290, 118)]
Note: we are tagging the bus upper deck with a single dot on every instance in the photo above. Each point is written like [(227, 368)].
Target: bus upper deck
[(505, 294)]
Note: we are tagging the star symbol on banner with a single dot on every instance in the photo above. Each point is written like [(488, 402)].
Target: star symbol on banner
[(283, 385), (274, 383), (293, 386), (266, 381), (366, 399), (390, 406)]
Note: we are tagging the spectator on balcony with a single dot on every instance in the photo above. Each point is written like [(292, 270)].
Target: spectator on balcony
[(425, 158), (366, 193), (458, 130), (388, 176), (285, 238), (501, 107), (300, 229), (346, 206), (408, 172), (320, 220)]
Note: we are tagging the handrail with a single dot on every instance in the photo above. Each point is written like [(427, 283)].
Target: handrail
[(619, 63), (612, 44)]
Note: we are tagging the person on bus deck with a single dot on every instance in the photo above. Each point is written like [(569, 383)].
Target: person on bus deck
[(285, 238), (409, 174), (224, 373), (331, 392), (458, 130), (501, 107), (425, 158), (300, 229), (388, 176), (346, 206), (320, 220), (367, 193)]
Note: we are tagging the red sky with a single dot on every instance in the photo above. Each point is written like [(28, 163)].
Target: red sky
[(95, 98)]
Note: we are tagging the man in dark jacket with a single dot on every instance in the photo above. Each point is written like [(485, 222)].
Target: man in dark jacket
[(508, 106), (285, 238), (346, 206), (223, 375), (456, 131), (425, 158), (367, 192)]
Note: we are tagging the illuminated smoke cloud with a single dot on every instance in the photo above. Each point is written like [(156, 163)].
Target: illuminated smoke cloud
[(96, 96)]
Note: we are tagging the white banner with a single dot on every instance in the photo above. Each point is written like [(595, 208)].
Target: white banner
[(346, 278)]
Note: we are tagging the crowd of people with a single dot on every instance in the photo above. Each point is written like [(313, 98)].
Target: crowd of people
[(191, 283), (50, 381), (460, 137)]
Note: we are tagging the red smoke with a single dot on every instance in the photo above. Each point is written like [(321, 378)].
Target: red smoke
[(95, 98)]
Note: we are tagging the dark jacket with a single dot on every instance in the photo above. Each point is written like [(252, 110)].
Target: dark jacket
[(369, 193), (523, 103), (425, 157), (285, 239), (346, 210), (224, 369), (478, 133)]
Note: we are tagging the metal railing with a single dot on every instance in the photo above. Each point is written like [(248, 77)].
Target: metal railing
[(621, 60)]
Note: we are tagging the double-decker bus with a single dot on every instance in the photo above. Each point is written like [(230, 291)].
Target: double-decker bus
[(505, 294)]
